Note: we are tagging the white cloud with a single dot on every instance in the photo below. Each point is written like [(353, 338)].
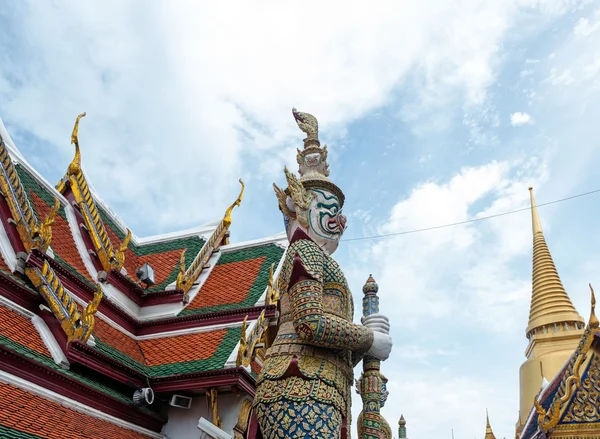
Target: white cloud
[(584, 27), (461, 273), (183, 97), (518, 118), (564, 78), (437, 400)]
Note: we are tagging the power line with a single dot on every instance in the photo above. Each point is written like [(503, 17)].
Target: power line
[(442, 226)]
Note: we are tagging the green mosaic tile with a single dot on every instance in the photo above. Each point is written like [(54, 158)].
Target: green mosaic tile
[(31, 185), (115, 354), (272, 253), (9, 433), (18, 280)]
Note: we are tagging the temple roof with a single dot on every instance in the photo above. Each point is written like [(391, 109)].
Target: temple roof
[(568, 405), (19, 406), (72, 309)]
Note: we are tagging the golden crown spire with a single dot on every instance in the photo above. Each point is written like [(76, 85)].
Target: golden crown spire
[(550, 303)]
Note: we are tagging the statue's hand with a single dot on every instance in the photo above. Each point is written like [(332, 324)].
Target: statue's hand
[(377, 323), (381, 347)]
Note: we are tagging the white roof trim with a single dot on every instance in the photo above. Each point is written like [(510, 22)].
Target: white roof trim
[(79, 242), (45, 333), (7, 250), (279, 239), (72, 404), (16, 308), (188, 331), (57, 353)]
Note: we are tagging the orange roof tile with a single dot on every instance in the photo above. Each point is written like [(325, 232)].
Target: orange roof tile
[(20, 330), (62, 238), (26, 412), (162, 263), (189, 347), (118, 340), (228, 283)]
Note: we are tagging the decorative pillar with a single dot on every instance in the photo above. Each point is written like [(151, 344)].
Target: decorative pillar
[(371, 383), (402, 428)]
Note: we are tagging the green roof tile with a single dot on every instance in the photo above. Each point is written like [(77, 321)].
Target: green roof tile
[(9, 433)]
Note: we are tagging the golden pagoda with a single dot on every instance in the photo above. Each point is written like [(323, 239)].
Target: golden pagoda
[(554, 327), (563, 401)]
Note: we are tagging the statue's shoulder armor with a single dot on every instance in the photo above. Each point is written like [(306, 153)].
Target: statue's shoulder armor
[(305, 251)]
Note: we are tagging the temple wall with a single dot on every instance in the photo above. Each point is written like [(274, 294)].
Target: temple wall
[(183, 424)]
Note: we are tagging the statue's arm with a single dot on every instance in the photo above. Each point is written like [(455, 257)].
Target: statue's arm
[(310, 323)]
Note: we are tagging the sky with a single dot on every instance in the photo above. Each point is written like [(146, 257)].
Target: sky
[(434, 112)]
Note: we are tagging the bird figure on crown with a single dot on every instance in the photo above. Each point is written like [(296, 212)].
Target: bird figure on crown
[(303, 390)]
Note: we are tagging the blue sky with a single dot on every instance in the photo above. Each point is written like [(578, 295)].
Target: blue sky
[(434, 112)]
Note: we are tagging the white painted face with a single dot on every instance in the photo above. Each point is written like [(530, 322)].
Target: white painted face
[(326, 224)]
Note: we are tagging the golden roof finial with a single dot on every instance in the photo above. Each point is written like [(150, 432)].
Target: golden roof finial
[(550, 303), (75, 165), (593, 319), (227, 217), (489, 434)]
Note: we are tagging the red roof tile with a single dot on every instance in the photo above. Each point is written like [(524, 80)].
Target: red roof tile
[(181, 348), (62, 238), (118, 340), (228, 283), (21, 330), (23, 411)]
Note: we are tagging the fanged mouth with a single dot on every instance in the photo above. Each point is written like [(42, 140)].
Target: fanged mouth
[(297, 115), (337, 224)]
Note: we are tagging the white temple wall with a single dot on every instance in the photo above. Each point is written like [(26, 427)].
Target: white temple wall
[(183, 424)]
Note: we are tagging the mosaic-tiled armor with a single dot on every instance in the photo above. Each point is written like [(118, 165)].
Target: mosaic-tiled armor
[(304, 386)]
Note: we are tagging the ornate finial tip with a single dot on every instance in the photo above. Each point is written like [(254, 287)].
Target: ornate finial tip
[(594, 323), (402, 421), (370, 286)]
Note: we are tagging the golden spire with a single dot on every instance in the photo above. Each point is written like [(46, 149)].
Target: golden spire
[(550, 303), (593, 319), (489, 434)]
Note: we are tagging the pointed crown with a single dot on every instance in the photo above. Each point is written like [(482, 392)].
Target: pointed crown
[(313, 168)]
